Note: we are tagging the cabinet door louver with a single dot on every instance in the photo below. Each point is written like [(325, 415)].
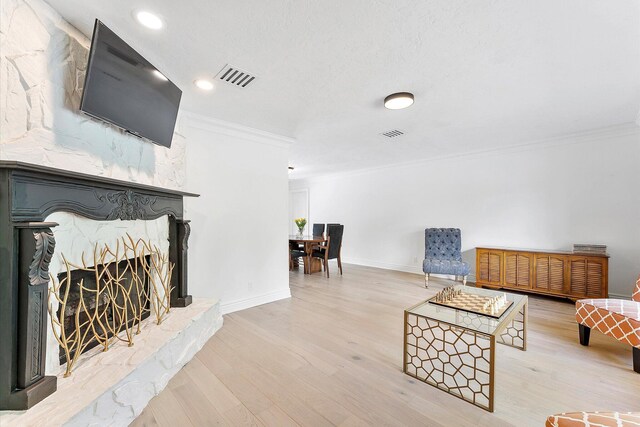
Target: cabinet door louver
[(524, 270), (489, 267), (586, 277), (542, 273), (549, 274), (594, 279), (517, 270), (578, 277), (510, 267), (494, 268), (484, 266), (556, 275)]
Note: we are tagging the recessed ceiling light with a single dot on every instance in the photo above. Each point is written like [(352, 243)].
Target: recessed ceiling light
[(149, 19), (159, 75), (204, 84), (397, 101)]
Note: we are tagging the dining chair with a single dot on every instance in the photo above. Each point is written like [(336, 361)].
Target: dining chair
[(294, 253), (318, 229), (332, 248)]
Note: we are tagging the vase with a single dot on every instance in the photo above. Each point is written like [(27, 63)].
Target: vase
[(300, 231)]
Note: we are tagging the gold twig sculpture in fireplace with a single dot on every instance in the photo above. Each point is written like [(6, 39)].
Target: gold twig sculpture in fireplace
[(127, 284)]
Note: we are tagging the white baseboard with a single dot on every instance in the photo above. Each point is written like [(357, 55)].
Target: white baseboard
[(384, 265), (471, 278), (244, 303)]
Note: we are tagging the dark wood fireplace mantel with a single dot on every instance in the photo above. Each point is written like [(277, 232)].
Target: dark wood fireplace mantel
[(28, 194)]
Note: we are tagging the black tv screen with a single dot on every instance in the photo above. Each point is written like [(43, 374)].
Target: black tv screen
[(123, 88)]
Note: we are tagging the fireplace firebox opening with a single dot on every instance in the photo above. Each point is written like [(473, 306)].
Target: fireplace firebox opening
[(107, 301)]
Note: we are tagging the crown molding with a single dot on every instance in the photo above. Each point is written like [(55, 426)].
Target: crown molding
[(599, 134), (198, 121)]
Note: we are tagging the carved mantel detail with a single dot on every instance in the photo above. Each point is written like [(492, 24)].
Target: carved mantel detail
[(39, 268), (185, 237), (129, 205)]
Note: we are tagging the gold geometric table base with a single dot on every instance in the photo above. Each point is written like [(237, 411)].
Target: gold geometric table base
[(455, 359), (515, 335)]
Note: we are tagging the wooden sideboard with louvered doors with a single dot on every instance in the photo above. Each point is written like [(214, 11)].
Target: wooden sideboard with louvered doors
[(555, 273)]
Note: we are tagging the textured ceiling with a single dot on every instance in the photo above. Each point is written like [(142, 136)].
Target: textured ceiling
[(486, 74)]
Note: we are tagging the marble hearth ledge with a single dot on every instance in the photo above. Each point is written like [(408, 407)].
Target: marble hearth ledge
[(112, 388)]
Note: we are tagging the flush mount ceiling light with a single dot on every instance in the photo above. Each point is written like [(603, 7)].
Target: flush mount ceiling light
[(397, 101), (159, 75), (204, 84), (149, 19)]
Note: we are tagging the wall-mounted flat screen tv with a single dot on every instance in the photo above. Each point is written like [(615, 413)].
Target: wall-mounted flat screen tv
[(123, 88)]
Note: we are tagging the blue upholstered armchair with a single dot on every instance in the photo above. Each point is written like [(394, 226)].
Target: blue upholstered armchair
[(442, 254)]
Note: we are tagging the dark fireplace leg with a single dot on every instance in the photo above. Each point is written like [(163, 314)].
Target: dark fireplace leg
[(179, 231), (36, 246)]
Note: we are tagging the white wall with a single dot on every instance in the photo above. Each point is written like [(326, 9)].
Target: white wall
[(579, 189), (298, 208), (238, 246)]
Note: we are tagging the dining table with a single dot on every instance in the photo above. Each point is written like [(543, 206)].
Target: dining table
[(309, 242)]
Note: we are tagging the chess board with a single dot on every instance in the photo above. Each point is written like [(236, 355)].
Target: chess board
[(471, 303)]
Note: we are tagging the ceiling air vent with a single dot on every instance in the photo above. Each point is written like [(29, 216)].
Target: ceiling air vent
[(235, 76), (392, 133)]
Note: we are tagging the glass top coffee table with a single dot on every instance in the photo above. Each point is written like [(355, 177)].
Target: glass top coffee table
[(454, 350)]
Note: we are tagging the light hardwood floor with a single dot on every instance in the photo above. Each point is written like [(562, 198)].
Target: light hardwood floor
[(332, 355)]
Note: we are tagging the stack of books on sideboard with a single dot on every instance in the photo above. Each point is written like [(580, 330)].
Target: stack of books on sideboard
[(590, 249)]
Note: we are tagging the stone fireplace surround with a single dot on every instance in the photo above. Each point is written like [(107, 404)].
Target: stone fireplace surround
[(28, 195)]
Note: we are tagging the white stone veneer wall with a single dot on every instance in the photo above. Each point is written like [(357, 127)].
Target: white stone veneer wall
[(42, 67)]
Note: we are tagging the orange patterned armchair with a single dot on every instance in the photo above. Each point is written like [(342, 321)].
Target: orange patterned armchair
[(617, 318), (594, 419)]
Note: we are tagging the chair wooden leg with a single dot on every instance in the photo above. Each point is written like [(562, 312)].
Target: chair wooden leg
[(636, 359), (426, 280), (340, 265), (585, 333), (326, 263)]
